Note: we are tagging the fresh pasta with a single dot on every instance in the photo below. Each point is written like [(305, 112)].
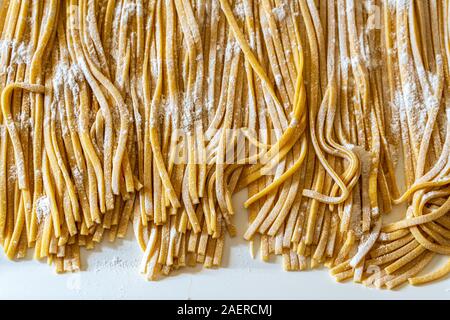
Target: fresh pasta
[(154, 113)]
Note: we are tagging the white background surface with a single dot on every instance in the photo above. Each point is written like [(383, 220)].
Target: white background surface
[(111, 272)]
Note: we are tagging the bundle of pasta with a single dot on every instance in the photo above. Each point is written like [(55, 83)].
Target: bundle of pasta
[(417, 50), (65, 174), (195, 111), (322, 201)]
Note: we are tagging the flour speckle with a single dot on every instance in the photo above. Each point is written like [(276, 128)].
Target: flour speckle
[(42, 208)]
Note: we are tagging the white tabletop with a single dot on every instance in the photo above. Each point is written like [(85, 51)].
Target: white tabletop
[(111, 272)]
